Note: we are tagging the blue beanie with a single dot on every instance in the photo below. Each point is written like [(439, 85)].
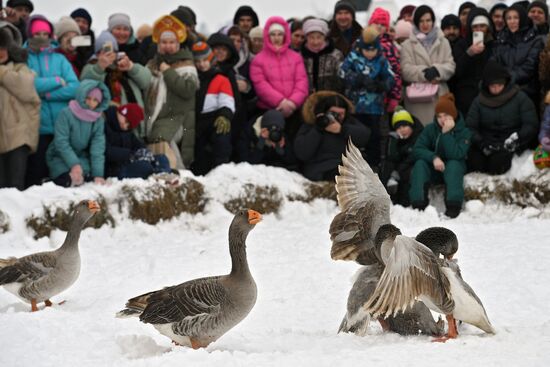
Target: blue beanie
[(82, 13), (102, 39)]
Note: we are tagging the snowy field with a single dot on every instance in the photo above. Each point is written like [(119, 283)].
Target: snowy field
[(301, 291)]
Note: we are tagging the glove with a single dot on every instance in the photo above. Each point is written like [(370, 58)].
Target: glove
[(431, 73), (488, 149), (393, 183), (372, 85), (223, 125), (143, 154), (512, 142)]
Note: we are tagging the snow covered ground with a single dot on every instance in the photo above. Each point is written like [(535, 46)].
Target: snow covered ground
[(302, 292)]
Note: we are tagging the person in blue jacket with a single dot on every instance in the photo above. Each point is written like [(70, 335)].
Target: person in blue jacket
[(77, 152), (55, 83)]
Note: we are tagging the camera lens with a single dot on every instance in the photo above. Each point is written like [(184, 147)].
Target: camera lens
[(275, 134)]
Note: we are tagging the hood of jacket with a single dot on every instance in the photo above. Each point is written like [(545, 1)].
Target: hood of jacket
[(218, 39), (39, 17), (474, 13), (85, 87), (15, 34), (308, 109), (267, 42)]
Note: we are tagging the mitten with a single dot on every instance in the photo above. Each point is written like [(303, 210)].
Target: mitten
[(511, 143)]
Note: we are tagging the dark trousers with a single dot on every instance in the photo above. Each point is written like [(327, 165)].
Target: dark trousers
[(211, 150), (13, 167), (494, 164), (372, 151), (37, 169), (144, 169)]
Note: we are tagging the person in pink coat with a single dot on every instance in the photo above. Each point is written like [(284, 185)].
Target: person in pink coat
[(279, 75)]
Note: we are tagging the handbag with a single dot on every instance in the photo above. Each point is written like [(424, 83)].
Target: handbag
[(162, 147), (422, 92)]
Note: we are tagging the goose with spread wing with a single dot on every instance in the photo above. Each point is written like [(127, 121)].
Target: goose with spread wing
[(198, 312), (412, 272), (38, 277)]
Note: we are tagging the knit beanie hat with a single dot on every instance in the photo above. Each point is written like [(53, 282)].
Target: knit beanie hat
[(96, 93), (246, 10), (344, 5), (14, 3), (103, 38), (169, 23), (369, 38), (446, 104), (450, 20), (40, 25), (466, 5), (315, 25), (82, 13), (201, 50), (407, 9), (256, 32), (403, 29), (495, 73), (541, 5), (273, 118), (185, 15), (380, 16), (118, 19), (401, 117), (276, 27), (65, 25), (420, 11), (133, 113)]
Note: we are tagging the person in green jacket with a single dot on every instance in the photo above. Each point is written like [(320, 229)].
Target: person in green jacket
[(77, 152), (440, 153)]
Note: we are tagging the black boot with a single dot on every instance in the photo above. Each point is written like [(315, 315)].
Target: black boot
[(420, 205), (453, 209)]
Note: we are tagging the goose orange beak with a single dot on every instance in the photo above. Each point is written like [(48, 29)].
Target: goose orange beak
[(93, 206), (254, 217)]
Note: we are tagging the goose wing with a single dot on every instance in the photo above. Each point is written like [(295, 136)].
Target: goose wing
[(27, 268), (191, 303), (411, 271), (364, 204)]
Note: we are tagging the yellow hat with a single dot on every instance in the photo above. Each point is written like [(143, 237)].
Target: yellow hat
[(400, 117), (169, 23)]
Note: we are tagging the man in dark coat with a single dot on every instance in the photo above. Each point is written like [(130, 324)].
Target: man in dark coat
[(18, 14), (344, 29), (246, 19), (538, 13), (84, 20)]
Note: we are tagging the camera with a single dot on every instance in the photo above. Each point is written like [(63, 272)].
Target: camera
[(275, 133), (325, 119)]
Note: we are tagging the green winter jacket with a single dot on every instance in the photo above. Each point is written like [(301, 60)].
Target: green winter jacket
[(79, 142), (173, 120), (453, 145)]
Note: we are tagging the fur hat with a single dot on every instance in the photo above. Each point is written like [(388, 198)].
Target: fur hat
[(65, 25), (201, 50), (446, 104), (344, 5), (169, 23), (369, 38), (82, 13), (401, 117), (6, 40), (133, 113), (380, 16)]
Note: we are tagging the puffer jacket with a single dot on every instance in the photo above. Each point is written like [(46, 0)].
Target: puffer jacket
[(19, 107), (79, 142), (322, 68), (278, 74)]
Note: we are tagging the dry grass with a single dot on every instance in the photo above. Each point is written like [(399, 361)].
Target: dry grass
[(264, 199), (316, 190), (4, 222)]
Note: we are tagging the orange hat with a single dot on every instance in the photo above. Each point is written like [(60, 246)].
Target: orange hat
[(446, 104), (169, 23)]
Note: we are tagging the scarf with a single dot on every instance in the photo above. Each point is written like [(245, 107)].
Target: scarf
[(38, 44), (83, 114), (426, 39)]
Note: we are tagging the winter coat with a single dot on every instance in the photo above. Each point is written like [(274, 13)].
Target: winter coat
[(119, 144), (133, 51), (79, 142), (278, 74), (343, 41), (19, 106), (433, 143), (214, 98), (321, 151), (52, 70), (391, 53), (414, 59), (545, 130), (353, 71), (469, 69), (399, 155), (322, 68), (170, 108), (125, 87), (77, 60), (519, 52), (492, 119)]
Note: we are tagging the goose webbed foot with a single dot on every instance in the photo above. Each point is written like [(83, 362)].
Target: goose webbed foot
[(451, 334), (34, 307), (195, 344), (48, 303)]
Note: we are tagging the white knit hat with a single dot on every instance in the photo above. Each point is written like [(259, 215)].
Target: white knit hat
[(480, 19), (65, 25), (276, 27)]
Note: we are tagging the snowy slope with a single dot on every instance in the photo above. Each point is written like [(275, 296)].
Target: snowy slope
[(302, 292)]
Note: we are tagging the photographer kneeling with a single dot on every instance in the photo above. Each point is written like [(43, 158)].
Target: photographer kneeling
[(322, 138), (265, 142)]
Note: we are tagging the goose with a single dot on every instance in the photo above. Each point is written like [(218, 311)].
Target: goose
[(198, 312), (419, 319), (38, 277), (364, 207), (413, 272)]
